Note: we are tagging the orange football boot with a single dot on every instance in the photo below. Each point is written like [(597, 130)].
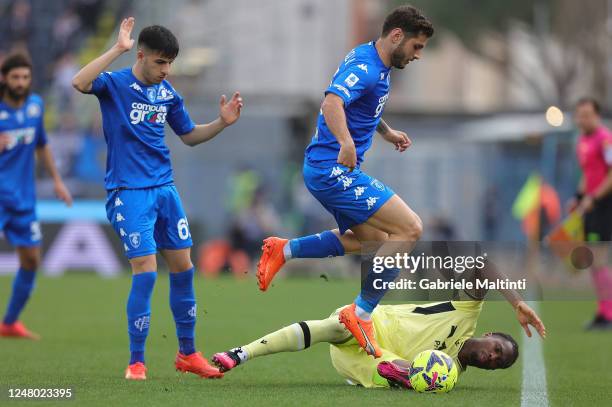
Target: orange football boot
[(362, 330), (17, 330), (195, 363), (272, 259), (136, 371)]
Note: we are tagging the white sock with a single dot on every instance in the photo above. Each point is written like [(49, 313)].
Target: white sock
[(287, 251), (362, 314), (242, 354)]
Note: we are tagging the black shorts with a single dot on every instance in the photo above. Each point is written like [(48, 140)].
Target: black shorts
[(598, 222)]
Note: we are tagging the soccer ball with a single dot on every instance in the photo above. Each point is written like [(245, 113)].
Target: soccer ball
[(433, 371)]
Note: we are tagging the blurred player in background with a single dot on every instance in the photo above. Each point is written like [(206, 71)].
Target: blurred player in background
[(22, 135), (364, 208), (143, 204), (594, 199), (403, 331)]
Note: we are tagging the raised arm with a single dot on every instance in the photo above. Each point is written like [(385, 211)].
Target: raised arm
[(83, 79)]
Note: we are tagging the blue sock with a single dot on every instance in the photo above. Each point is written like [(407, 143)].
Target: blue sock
[(369, 297), (23, 284), (139, 313), (183, 305), (324, 244)]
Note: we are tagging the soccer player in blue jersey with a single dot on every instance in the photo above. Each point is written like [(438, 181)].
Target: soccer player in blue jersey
[(143, 205), (364, 208), (22, 136)]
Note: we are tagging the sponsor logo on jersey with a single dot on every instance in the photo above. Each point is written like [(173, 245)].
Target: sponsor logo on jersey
[(363, 67), (349, 56), (359, 191), (142, 323), (142, 112), (343, 90), (346, 181), (19, 136), (371, 201), (351, 80), (136, 87), (336, 171)]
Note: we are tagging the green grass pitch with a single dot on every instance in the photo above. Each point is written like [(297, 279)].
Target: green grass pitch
[(84, 346)]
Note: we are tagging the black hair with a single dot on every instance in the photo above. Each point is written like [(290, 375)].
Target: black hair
[(515, 349), (587, 100), (18, 60), (13, 61), (410, 20), (159, 39)]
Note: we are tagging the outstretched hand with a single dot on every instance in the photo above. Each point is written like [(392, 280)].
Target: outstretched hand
[(527, 316), (229, 112), (124, 40)]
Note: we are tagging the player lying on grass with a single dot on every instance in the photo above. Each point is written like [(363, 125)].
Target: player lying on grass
[(143, 204), (402, 332)]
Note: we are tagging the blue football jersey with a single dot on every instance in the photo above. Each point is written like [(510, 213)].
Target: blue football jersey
[(25, 131), (363, 83), (133, 119)]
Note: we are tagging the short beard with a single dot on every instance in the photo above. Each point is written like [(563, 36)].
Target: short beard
[(398, 57), (16, 96)]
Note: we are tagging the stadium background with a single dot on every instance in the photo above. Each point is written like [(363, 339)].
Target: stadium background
[(474, 107)]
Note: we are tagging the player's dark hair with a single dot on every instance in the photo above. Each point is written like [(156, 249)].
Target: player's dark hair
[(590, 101), (159, 39), (515, 350), (410, 20), (13, 61)]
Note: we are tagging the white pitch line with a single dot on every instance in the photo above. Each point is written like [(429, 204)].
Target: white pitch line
[(534, 390)]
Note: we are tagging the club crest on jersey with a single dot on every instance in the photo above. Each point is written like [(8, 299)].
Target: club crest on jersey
[(151, 94), (135, 239), (33, 110), (378, 185)]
